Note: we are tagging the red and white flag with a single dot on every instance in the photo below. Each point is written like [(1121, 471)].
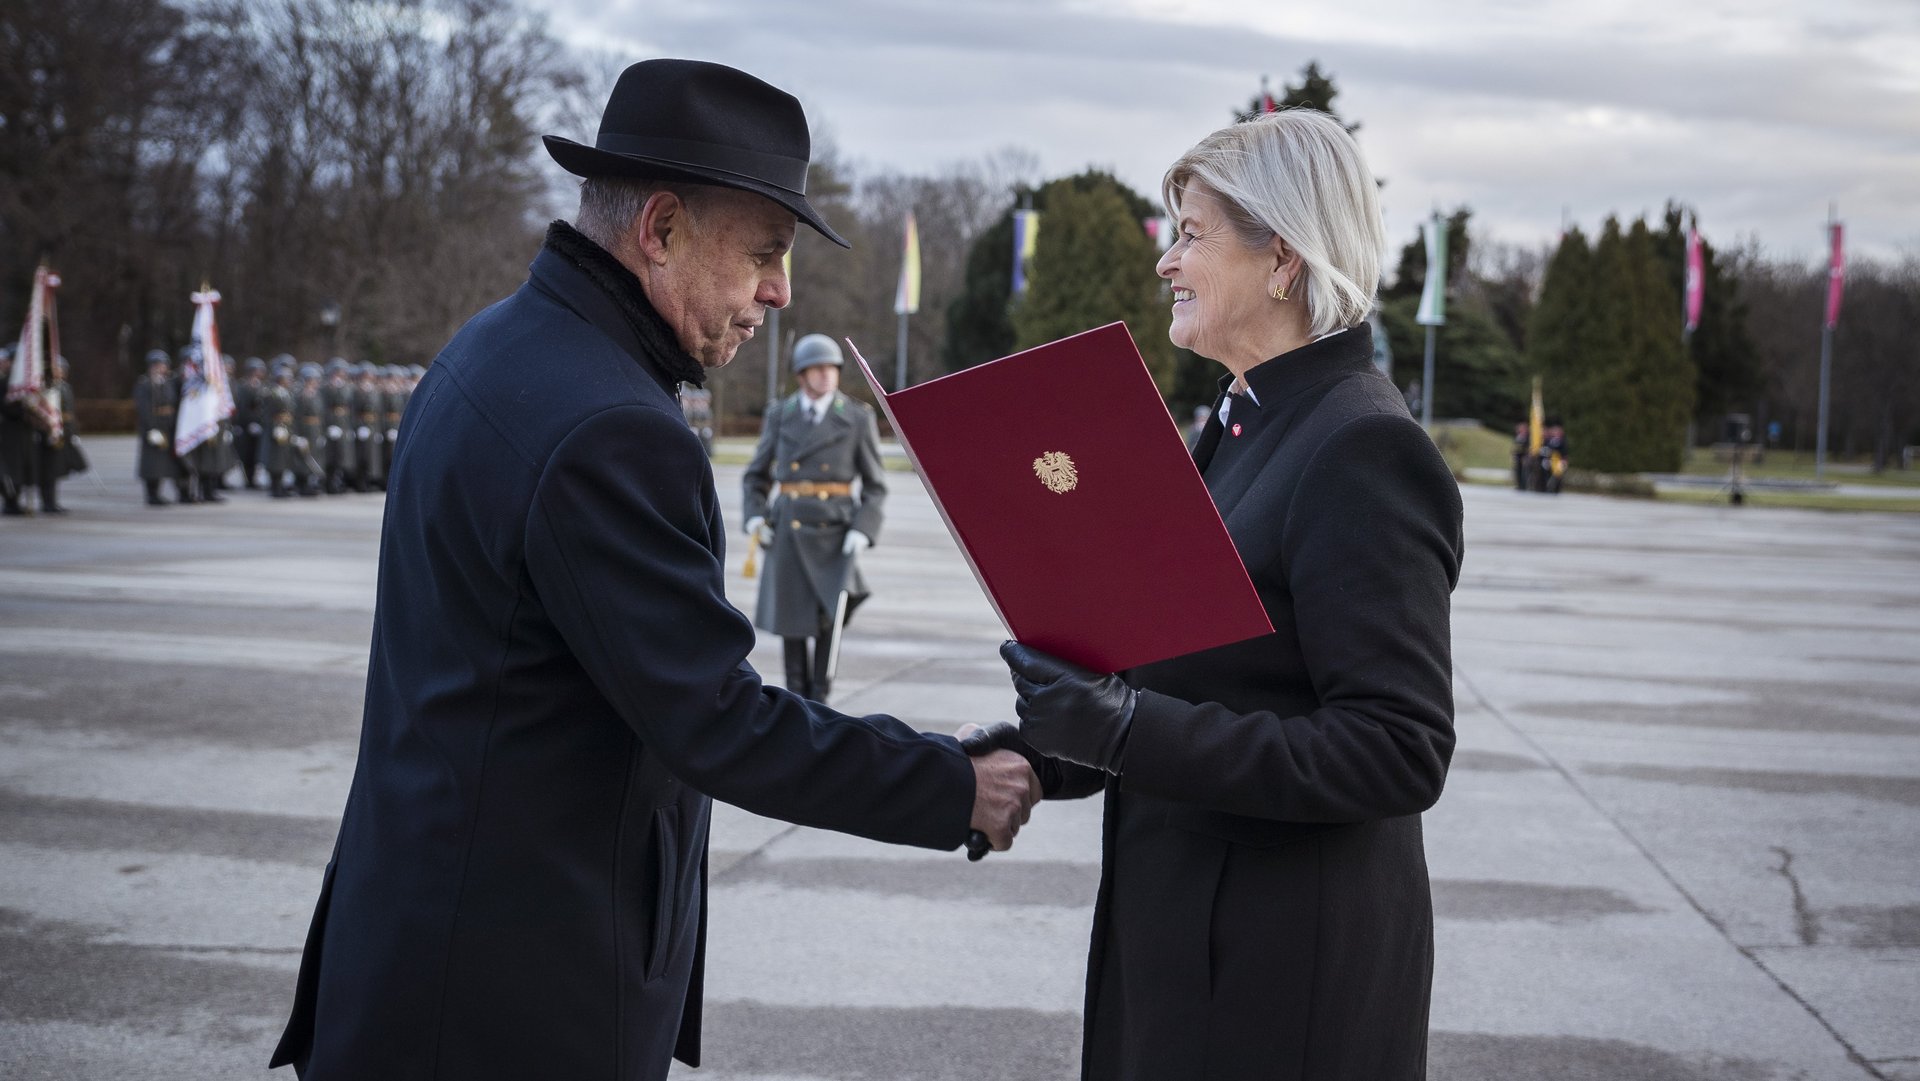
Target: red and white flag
[(1696, 278), (1836, 275), (39, 343), (205, 398)]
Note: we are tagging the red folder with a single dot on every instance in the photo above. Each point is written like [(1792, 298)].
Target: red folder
[(1072, 494)]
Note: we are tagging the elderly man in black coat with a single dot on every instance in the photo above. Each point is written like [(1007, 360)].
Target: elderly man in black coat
[(558, 686)]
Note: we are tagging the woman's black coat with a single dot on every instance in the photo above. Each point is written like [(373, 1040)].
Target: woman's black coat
[(1264, 909)]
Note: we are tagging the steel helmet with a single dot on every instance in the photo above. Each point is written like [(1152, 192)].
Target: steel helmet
[(815, 349)]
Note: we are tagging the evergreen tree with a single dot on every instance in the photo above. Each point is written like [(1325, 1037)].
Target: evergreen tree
[(1315, 91), (1094, 264), (1609, 352), (979, 327), (1557, 334), (1477, 371)]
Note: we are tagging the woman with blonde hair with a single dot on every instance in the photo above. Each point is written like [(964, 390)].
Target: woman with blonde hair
[(1264, 909)]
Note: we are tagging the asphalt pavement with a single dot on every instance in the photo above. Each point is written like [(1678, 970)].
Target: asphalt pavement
[(1680, 839)]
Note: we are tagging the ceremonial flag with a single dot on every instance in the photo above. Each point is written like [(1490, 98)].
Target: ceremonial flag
[(906, 299), (1433, 299), (1836, 275), (205, 398), (1696, 278), (39, 343), (1026, 230), (1267, 104), (1536, 421)]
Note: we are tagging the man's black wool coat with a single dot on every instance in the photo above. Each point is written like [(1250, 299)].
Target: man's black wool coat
[(1264, 909), (556, 689)]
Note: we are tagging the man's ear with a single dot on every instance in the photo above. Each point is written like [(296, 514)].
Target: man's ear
[(660, 218)]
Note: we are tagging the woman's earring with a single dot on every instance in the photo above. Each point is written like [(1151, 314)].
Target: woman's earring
[(1279, 292)]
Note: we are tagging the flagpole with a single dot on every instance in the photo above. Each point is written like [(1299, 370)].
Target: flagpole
[(773, 353), (900, 362), (1826, 358), (1426, 384)]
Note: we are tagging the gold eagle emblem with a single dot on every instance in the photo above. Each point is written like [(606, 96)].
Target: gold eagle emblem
[(1056, 471)]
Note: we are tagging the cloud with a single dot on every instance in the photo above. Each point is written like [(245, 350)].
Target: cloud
[(1758, 118)]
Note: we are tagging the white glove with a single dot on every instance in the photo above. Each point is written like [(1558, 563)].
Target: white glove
[(280, 434), (392, 434), (253, 429), (333, 431), (154, 437), (856, 543), (757, 529), (301, 442), (364, 433)]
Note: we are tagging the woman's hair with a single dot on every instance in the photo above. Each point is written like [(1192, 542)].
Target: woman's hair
[(1297, 174)]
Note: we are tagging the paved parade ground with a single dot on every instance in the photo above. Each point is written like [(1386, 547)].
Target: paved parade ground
[(1680, 839)]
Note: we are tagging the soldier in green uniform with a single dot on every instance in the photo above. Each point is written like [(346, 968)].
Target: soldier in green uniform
[(276, 427), (249, 426), (814, 445), (369, 429), (336, 454), (393, 392), (155, 400), (311, 423)]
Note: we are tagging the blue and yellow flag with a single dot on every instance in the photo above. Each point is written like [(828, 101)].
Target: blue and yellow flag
[(1026, 233)]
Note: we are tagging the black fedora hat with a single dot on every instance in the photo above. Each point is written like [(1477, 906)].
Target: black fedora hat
[(702, 123)]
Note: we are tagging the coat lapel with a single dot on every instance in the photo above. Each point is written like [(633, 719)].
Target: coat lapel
[(831, 428)]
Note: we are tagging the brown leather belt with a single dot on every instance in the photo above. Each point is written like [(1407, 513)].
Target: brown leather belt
[(807, 489)]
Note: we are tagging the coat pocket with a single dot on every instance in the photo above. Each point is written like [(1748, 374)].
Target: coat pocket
[(666, 888)]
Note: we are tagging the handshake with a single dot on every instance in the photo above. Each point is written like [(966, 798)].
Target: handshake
[(1068, 714)]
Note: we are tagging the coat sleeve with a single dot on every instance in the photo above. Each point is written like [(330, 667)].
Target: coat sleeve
[(1370, 553), (617, 550), (757, 482), (873, 478)]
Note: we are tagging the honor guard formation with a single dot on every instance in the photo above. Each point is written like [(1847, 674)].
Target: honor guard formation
[(308, 429)]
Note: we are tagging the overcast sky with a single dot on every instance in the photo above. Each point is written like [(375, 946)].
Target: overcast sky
[(1756, 112)]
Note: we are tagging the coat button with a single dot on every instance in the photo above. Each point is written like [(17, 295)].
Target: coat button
[(796, 467), (796, 525)]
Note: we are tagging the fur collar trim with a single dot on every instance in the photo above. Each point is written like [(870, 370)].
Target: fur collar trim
[(610, 274)]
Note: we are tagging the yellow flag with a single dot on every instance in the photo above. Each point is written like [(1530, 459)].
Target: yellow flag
[(1536, 420)]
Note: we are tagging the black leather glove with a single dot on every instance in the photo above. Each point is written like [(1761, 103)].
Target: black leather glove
[(1006, 736), (1069, 712)]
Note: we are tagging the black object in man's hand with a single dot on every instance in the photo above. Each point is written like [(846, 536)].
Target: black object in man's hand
[(1070, 712)]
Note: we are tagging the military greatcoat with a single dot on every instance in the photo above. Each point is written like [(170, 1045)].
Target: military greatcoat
[(276, 436), (805, 570), (310, 423), (157, 402), (369, 432)]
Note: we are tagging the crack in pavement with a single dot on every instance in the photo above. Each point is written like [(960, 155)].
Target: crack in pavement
[(1804, 921), (1673, 880)]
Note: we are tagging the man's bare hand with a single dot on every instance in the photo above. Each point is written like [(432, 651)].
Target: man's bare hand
[(1004, 792)]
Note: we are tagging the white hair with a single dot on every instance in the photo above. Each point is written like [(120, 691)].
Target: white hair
[(609, 205), (1297, 174)]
